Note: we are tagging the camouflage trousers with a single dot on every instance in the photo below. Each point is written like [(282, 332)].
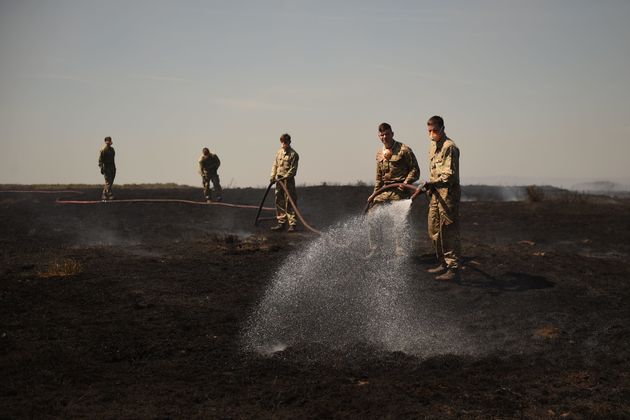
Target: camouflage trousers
[(284, 210), (444, 225), (109, 174), (214, 178)]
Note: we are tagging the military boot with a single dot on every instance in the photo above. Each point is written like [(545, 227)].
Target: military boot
[(450, 275), (437, 270), (278, 228)]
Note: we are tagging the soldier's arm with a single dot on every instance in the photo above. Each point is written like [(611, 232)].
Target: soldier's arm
[(274, 168), (414, 173), (294, 166), (379, 177), (447, 168), (100, 158), (218, 161)]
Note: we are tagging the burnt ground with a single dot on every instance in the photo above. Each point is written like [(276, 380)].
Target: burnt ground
[(145, 319)]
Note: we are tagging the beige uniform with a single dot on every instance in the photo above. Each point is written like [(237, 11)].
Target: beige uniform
[(106, 161), (285, 166), (402, 166), (208, 167), (444, 202)]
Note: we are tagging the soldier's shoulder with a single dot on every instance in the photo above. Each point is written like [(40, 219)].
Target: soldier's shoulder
[(405, 148), (294, 153), (449, 143)]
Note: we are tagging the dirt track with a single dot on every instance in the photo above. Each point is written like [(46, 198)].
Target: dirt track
[(150, 325)]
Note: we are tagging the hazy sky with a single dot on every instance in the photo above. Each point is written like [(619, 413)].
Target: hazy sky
[(530, 90)]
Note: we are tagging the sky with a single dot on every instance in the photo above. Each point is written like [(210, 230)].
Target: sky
[(531, 91)]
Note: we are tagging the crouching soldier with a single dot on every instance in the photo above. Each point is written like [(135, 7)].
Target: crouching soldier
[(108, 168), (395, 163), (283, 171), (208, 166)]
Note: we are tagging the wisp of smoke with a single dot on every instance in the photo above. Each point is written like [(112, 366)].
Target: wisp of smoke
[(332, 295)]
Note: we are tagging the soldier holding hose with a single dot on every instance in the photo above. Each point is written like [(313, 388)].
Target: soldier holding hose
[(395, 163), (444, 191), (284, 170)]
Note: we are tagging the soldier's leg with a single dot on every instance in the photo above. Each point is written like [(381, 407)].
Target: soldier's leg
[(281, 205), (451, 244), (216, 183), (290, 210), (433, 224), (109, 181), (206, 186)]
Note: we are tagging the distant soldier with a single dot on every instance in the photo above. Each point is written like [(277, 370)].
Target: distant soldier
[(208, 165), (445, 192), (395, 163), (284, 170), (108, 168)]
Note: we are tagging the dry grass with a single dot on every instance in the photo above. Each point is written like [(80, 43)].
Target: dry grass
[(62, 268)]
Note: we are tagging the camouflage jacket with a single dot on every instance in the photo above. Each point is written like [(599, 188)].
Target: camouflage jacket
[(106, 157), (444, 163), (208, 165), (402, 166), (286, 164)]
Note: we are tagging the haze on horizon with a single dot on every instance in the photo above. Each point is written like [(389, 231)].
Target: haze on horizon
[(534, 90)]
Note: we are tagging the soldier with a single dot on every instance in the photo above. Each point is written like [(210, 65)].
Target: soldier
[(444, 190), (108, 168), (284, 170), (208, 165), (395, 163)]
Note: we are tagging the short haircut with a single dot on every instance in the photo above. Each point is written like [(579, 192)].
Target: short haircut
[(108, 138), (382, 127), (436, 121), (285, 138)]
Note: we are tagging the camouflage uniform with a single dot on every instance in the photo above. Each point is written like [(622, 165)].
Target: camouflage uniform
[(285, 166), (401, 167), (444, 203), (108, 169), (208, 166)]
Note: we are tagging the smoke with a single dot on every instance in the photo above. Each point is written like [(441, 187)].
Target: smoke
[(331, 295)]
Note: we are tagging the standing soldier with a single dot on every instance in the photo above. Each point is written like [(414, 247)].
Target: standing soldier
[(395, 163), (108, 168), (445, 192), (283, 171), (208, 165)]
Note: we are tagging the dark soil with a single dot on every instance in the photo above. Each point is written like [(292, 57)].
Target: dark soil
[(149, 325)]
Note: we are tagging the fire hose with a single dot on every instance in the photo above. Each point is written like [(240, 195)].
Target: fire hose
[(166, 200), (416, 191), (291, 202)]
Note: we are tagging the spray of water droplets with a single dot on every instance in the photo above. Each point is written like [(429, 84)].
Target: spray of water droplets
[(340, 292)]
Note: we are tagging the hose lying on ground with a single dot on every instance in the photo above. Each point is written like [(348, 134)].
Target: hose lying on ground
[(165, 200)]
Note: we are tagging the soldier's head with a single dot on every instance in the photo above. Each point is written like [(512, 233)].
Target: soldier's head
[(386, 135), (205, 151), (285, 141), (435, 126), (108, 141)]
